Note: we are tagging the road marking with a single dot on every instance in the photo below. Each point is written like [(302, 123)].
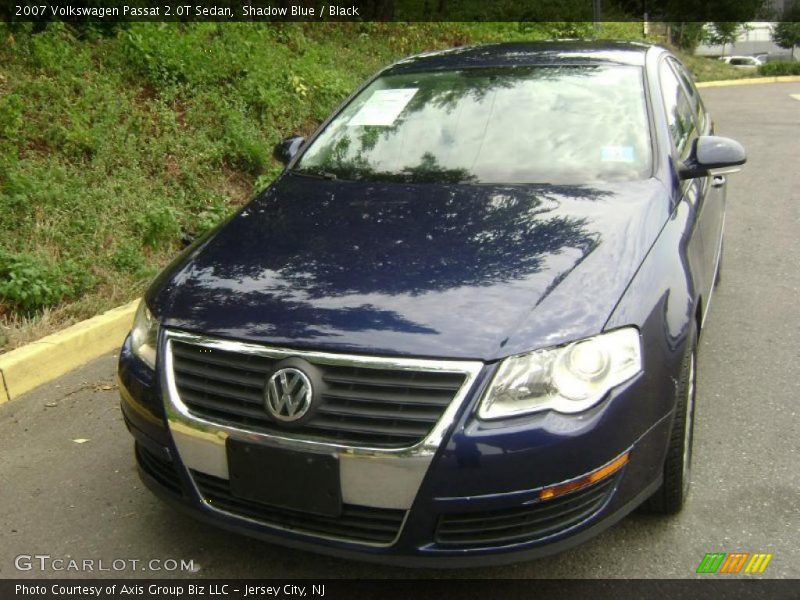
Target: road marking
[(795, 96), (728, 82)]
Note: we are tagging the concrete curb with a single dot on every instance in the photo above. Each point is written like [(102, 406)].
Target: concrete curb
[(30, 366), (750, 81)]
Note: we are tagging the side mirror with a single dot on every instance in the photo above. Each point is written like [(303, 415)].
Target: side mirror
[(713, 155), (285, 151)]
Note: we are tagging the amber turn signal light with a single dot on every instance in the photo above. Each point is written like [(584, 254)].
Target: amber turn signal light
[(576, 484)]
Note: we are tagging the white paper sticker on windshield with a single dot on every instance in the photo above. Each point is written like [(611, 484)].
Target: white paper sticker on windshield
[(383, 107), (616, 154)]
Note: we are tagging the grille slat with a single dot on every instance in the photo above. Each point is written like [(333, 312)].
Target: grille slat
[(527, 523), (203, 385), (358, 405), (235, 377), (224, 406), (389, 398), (380, 412), (242, 362), (393, 379), (356, 523)]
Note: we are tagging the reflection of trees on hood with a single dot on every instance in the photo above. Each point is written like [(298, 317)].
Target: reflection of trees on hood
[(465, 236)]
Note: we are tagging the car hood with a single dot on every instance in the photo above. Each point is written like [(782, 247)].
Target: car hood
[(456, 271)]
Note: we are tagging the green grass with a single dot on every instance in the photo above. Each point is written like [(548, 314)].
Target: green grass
[(710, 69), (780, 68), (112, 144)]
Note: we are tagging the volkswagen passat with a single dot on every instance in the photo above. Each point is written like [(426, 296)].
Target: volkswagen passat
[(460, 327)]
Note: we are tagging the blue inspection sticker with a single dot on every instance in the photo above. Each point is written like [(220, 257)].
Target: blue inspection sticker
[(616, 154)]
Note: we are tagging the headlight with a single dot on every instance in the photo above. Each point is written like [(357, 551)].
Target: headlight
[(567, 379), (144, 335)]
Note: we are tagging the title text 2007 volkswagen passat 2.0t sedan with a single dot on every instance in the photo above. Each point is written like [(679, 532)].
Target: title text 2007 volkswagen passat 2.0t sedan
[(460, 327)]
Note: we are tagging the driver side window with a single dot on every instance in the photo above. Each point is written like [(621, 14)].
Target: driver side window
[(680, 117), (694, 95)]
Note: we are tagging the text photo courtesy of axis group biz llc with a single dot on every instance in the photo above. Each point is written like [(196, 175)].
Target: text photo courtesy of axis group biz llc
[(399, 298)]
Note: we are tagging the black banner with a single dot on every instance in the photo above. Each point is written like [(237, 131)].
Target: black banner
[(110, 11), (132, 589)]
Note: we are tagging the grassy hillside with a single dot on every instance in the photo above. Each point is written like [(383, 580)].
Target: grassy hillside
[(114, 143)]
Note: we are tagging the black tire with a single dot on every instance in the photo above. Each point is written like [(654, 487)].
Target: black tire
[(670, 498)]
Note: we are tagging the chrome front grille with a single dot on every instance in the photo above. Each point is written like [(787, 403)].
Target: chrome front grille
[(361, 405)]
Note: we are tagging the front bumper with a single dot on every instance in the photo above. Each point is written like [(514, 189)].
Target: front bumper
[(476, 501)]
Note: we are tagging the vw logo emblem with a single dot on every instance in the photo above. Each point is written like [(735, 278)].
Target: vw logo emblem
[(288, 394)]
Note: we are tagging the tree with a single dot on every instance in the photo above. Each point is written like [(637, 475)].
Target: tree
[(685, 18), (685, 35), (723, 33), (786, 34)]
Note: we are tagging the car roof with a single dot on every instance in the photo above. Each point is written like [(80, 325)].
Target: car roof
[(526, 53)]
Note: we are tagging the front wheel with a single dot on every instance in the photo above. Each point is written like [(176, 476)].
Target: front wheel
[(671, 496)]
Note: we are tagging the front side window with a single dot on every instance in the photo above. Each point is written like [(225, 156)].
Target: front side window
[(694, 95), (680, 117), (543, 124)]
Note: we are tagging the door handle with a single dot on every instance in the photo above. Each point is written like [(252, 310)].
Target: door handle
[(718, 181)]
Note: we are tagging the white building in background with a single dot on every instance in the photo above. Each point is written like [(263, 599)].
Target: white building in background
[(756, 38)]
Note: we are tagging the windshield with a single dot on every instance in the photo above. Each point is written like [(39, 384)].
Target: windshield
[(543, 124)]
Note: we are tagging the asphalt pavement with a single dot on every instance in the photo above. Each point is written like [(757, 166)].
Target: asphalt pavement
[(68, 487)]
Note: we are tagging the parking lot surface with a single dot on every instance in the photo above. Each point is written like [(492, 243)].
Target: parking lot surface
[(69, 488)]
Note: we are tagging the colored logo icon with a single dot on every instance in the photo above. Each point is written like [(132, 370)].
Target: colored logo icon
[(735, 562)]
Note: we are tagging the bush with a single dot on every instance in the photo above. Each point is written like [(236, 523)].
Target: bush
[(780, 68), (26, 284), (159, 226), (128, 259), (10, 116), (29, 283)]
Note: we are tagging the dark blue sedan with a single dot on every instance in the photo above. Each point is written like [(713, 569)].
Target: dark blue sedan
[(461, 327)]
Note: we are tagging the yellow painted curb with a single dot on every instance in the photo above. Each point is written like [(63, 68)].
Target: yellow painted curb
[(30, 366), (749, 81)]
